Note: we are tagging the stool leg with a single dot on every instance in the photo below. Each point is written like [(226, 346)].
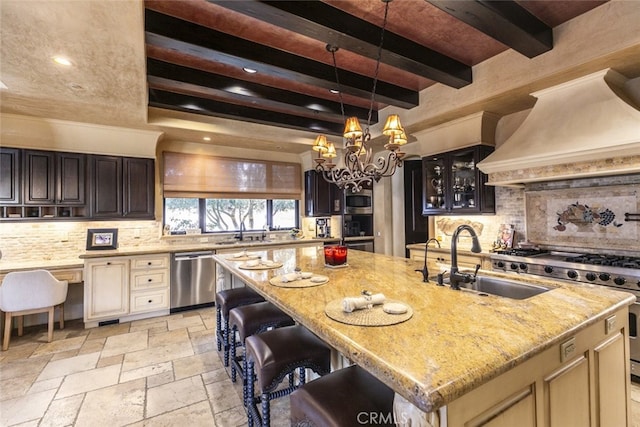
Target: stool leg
[(233, 356), (225, 341), (266, 410), (302, 377), (245, 380), (218, 328), (250, 401)]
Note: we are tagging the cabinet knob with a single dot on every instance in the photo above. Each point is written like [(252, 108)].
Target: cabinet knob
[(149, 263), (149, 280), (108, 263), (150, 301)]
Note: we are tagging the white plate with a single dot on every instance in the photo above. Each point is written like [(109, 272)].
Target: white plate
[(394, 308), (319, 279)]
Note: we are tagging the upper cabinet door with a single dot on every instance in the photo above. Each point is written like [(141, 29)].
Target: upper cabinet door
[(9, 175), (454, 185), (39, 177), (317, 195), (71, 178), (139, 188), (106, 182)]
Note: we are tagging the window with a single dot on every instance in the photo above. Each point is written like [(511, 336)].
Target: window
[(226, 215)]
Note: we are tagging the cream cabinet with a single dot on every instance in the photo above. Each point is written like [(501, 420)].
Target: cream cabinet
[(149, 283), (126, 288), (583, 381), (106, 288)]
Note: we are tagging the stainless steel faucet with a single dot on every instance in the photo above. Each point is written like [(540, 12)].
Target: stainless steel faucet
[(425, 270), (455, 278)]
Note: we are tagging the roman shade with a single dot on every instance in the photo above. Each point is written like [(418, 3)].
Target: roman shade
[(202, 176)]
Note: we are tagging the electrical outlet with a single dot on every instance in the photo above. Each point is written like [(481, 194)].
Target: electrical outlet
[(609, 324), (136, 233), (567, 349), (64, 236)]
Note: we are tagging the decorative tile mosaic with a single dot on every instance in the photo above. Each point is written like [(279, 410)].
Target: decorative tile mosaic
[(591, 217)]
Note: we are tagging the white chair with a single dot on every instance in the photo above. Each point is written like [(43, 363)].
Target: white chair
[(29, 292)]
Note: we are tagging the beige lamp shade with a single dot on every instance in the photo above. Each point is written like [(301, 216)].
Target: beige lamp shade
[(331, 151), (320, 144), (393, 126), (352, 129)]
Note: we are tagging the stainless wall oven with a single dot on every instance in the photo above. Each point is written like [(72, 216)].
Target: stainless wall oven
[(359, 203)]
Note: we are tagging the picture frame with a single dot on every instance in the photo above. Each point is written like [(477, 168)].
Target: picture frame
[(102, 239), (505, 238)]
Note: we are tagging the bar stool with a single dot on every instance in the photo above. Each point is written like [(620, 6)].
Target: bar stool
[(225, 301), (273, 355), (344, 398), (250, 320)]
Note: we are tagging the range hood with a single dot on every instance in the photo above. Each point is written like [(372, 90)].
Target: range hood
[(583, 128)]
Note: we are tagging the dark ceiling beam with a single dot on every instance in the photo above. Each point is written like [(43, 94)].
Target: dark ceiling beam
[(505, 21), (195, 105), (185, 79), (173, 33), (325, 23)]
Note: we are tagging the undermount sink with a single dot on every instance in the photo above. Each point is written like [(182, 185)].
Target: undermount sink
[(504, 287)]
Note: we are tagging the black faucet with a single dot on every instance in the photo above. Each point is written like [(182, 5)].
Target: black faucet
[(425, 270), (240, 237), (456, 278)]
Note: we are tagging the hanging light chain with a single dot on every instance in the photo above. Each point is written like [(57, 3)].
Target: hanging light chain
[(378, 59)]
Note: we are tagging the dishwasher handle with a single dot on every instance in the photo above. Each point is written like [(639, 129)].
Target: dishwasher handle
[(188, 256)]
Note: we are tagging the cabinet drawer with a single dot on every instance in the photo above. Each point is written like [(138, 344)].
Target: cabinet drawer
[(158, 261), (149, 301), (141, 280), (71, 276)]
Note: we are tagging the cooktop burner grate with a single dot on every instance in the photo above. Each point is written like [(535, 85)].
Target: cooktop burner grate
[(607, 260), (521, 252)]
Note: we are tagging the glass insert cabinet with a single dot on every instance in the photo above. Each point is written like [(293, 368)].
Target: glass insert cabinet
[(454, 185)]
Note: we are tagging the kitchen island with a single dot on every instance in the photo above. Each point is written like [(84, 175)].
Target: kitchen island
[(561, 356)]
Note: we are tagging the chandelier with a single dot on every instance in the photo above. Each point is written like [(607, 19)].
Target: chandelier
[(359, 166)]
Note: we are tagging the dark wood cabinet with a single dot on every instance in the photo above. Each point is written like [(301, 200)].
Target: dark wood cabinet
[(454, 185), (321, 197), (416, 227), (106, 186), (10, 167), (39, 177), (122, 187), (39, 184), (139, 188), (71, 178)]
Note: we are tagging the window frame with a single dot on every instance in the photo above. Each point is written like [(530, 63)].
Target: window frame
[(202, 215)]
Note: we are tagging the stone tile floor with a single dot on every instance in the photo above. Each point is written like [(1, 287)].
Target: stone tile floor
[(163, 371)]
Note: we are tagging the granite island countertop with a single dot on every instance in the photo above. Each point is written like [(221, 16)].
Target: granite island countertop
[(454, 342)]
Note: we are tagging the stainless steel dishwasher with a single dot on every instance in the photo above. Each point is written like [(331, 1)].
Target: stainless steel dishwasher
[(193, 280)]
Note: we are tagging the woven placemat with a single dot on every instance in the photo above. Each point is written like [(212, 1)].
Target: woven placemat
[(373, 316), (260, 266), (247, 257), (301, 283)]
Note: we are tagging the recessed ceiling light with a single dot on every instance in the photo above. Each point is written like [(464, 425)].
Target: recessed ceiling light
[(206, 138), (62, 61), (334, 91), (249, 70)]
